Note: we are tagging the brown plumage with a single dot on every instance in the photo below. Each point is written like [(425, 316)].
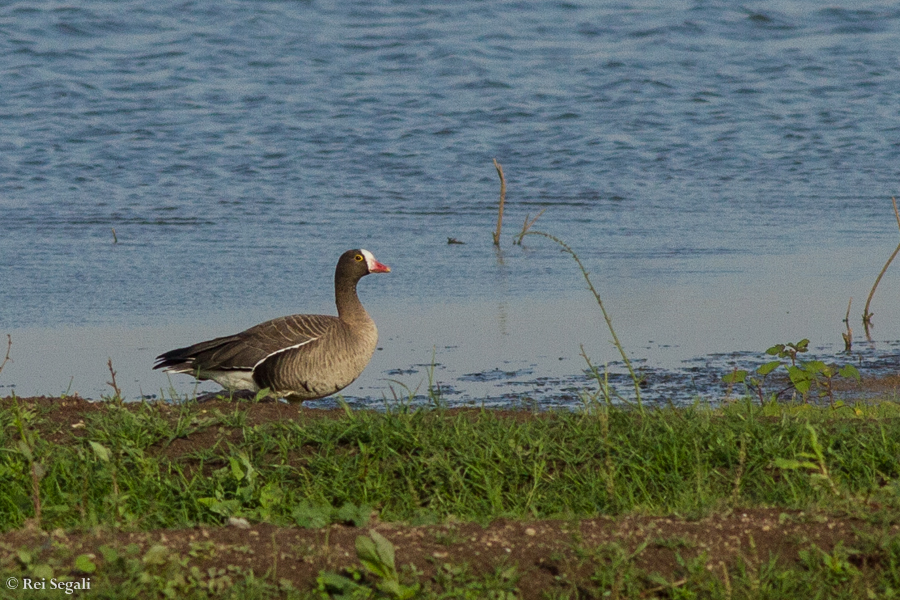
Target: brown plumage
[(299, 357)]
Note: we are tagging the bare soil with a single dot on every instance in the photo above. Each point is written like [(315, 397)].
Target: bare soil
[(541, 550)]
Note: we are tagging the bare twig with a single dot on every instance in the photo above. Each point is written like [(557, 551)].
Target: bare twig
[(672, 585), (502, 202), (8, 346), (112, 383), (115, 239), (867, 316), (527, 226), (896, 213)]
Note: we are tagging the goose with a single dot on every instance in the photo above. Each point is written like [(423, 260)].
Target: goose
[(298, 357)]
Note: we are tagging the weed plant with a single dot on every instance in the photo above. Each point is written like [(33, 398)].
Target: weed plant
[(804, 376)]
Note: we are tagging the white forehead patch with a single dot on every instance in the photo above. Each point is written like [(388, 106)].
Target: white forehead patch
[(370, 259)]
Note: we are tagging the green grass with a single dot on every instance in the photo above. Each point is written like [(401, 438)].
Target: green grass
[(428, 465), (125, 469)]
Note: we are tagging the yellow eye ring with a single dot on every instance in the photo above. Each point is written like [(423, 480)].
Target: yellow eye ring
[(359, 257)]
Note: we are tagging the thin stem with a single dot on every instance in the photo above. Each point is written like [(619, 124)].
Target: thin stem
[(867, 316), (527, 226), (8, 347), (612, 331)]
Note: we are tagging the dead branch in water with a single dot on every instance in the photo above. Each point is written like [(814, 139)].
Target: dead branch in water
[(848, 337), (502, 202), (867, 316)]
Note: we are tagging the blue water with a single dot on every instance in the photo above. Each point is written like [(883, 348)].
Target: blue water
[(724, 171)]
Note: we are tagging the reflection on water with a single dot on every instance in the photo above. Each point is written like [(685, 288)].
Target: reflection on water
[(502, 308)]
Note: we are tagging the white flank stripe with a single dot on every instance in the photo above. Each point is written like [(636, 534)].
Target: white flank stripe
[(267, 357), (171, 370)]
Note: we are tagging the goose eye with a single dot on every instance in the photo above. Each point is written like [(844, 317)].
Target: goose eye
[(359, 257)]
